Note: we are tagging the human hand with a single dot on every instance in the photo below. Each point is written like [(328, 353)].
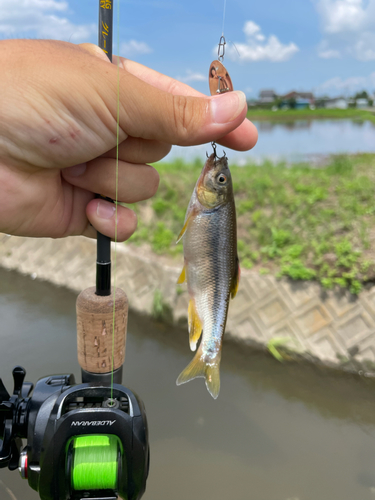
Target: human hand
[(59, 109)]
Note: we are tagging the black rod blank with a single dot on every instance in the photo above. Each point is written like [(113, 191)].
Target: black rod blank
[(103, 252), (106, 27)]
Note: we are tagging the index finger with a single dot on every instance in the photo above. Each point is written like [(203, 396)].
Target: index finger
[(243, 138)]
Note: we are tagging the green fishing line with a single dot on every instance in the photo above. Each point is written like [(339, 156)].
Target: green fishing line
[(95, 462)]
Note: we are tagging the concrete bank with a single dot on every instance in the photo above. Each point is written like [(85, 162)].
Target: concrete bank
[(333, 327)]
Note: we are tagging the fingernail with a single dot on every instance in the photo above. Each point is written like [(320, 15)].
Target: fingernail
[(105, 210), (226, 107), (77, 170)]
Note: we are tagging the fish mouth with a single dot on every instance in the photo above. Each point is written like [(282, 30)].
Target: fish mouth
[(212, 162)]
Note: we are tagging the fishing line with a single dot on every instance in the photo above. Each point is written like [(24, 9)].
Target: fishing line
[(95, 458), (225, 4), (106, 11), (116, 193), (218, 77)]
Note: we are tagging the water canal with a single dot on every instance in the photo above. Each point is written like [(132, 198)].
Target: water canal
[(299, 140), (277, 431)]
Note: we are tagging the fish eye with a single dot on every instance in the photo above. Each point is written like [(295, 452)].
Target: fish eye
[(222, 179)]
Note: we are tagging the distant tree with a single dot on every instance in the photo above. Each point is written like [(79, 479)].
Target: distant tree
[(292, 102), (320, 103), (361, 95)]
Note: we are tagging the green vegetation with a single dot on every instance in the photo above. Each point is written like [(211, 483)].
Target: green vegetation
[(160, 309), (282, 347), (296, 221), (308, 114)]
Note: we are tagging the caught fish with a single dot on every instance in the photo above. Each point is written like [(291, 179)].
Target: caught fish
[(211, 268)]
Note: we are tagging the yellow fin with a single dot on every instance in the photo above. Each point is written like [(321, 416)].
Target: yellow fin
[(213, 380), (195, 325), (182, 277), (198, 368), (183, 230), (235, 280)]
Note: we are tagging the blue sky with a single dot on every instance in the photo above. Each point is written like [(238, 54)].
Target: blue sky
[(327, 46)]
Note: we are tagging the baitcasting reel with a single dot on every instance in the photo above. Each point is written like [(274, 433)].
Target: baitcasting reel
[(84, 441)]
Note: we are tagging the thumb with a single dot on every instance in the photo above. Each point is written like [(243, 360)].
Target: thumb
[(150, 113)]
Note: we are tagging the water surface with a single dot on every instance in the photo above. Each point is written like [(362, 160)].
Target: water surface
[(277, 432), (297, 140)]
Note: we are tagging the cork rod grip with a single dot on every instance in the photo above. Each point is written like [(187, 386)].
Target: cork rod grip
[(94, 330)]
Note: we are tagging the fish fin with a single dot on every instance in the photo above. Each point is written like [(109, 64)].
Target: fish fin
[(198, 368), (183, 230), (188, 217), (213, 379), (236, 280), (195, 325), (182, 277)]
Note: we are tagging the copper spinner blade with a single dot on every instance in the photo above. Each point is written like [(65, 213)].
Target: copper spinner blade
[(219, 79)]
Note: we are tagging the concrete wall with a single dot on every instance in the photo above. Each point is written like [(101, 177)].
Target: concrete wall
[(333, 327)]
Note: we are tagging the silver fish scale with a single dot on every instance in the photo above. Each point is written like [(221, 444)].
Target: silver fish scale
[(210, 248)]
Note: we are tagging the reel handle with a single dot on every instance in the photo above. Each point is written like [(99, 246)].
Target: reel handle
[(13, 411)]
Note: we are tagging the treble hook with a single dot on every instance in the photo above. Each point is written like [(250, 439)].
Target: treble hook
[(221, 48), (213, 144)]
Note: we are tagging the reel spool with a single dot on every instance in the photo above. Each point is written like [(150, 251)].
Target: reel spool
[(94, 462)]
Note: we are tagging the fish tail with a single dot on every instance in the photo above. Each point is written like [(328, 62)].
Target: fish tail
[(198, 367)]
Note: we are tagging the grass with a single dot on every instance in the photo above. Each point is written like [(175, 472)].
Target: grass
[(307, 114), (295, 221)]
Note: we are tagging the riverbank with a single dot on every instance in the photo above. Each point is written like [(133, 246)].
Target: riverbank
[(310, 224), (306, 244), (289, 115), (294, 320)]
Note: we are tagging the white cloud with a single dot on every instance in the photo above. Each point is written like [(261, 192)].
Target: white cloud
[(258, 48), (341, 15), (349, 28), (338, 85), (329, 54), (192, 76), (364, 48), (326, 52), (251, 29), (41, 19), (133, 48)]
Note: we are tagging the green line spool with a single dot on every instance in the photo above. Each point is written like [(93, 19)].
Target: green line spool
[(95, 462)]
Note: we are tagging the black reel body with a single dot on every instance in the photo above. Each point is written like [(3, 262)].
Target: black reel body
[(84, 441)]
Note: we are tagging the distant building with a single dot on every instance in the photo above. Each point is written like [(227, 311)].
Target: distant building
[(336, 103), (362, 103), (309, 96), (267, 96), (302, 99)]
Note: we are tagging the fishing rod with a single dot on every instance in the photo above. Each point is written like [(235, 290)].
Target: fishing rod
[(103, 247), (86, 441)]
